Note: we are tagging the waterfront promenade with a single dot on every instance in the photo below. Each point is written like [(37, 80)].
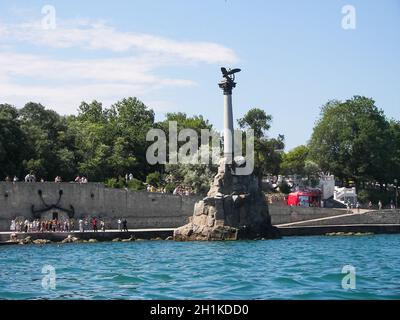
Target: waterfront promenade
[(108, 235), (377, 222)]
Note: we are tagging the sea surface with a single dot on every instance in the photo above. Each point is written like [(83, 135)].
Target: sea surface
[(289, 268)]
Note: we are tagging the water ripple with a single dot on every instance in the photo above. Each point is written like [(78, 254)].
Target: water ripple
[(290, 268)]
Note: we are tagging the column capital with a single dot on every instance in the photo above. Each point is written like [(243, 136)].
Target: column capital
[(227, 85)]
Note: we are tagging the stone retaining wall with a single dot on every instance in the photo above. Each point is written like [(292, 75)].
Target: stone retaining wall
[(141, 209)]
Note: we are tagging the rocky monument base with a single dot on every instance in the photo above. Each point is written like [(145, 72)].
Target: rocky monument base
[(234, 209)]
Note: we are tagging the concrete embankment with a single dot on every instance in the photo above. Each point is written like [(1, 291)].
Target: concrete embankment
[(110, 235), (377, 222), (344, 229)]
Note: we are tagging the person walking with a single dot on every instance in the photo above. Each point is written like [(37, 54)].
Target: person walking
[(370, 205), (380, 205), (102, 226), (119, 224)]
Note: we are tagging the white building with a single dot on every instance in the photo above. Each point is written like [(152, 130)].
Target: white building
[(345, 195)]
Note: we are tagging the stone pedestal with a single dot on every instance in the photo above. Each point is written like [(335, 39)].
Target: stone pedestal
[(235, 208)]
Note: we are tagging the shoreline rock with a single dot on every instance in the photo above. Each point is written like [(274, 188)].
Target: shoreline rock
[(235, 209)]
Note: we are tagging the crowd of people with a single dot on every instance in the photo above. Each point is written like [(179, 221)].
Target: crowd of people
[(42, 225), (179, 190), (182, 191), (30, 177), (67, 225)]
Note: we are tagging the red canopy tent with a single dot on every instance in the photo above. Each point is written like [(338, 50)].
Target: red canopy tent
[(305, 198)]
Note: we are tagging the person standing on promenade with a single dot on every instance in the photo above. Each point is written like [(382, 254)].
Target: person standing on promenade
[(125, 225), (370, 205), (26, 225), (102, 226), (94, 224), (348, 207), (119, 224), (358, 207), (13, 226), (81, 226), (380, 205)]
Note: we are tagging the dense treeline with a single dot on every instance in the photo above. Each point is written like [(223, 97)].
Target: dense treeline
[(352, 139), (98, 143), (106, 144)]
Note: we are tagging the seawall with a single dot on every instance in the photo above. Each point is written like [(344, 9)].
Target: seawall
[(143, 210)]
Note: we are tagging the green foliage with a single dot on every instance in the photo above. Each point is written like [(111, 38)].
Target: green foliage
[(284, 187), (112, 142), (267, 159), (293, 162), (257, 120), (112, 183), (13, 142), (98, 143), (136, 185), (197, 177), (170, 187), (155, 179), (352, 140), (312, 172), (366, 195), (48, 144)]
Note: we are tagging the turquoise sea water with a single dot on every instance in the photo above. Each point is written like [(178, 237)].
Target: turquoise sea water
[(290, 268)]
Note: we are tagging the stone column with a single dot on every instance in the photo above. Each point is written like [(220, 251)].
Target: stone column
[(227, 84), (228, 129)]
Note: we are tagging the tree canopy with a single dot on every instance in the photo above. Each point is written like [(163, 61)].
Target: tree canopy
[(353, 140)]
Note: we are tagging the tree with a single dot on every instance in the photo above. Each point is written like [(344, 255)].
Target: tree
[(13, 142), (312, 172), (49, 148), (293, 162), (394, 150), (267, 159), (131, 119), (351, 140), (257, 120), (112, 142), (197, 177)]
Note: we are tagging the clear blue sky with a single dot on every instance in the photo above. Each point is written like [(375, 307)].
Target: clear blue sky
[(295, 56)]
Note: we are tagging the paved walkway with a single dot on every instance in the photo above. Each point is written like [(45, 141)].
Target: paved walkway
[(99, 231), (321, 219)]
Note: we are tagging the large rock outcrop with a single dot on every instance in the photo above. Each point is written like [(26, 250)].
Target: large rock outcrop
[(235, 208)]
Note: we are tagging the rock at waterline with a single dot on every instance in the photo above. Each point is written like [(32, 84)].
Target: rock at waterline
[(235, 208), (70, 239), (41, 241)]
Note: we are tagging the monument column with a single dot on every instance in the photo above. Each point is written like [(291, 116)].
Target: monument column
[(227, 84), (235, 206)]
